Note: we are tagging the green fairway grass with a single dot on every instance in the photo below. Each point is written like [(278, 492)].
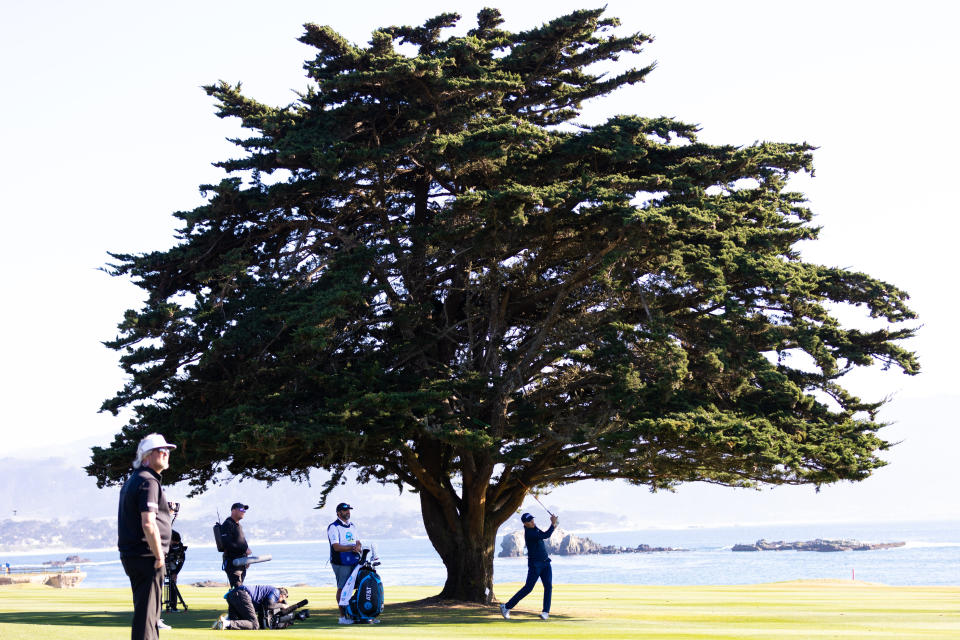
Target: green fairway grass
[(803, 609)]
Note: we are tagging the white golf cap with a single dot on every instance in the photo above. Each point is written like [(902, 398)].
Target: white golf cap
[(154, 441)]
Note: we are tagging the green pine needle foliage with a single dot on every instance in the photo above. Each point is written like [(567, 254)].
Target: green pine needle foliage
[(427, 270)]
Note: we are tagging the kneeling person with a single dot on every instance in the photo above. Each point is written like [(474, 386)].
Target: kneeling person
[(244, 603)]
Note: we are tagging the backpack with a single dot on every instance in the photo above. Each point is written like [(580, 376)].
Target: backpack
[(366, 602), (218, 537)]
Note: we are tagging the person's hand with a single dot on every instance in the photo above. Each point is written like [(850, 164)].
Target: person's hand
[(248, 552), (358, 547), (554, 520), (158, 563)]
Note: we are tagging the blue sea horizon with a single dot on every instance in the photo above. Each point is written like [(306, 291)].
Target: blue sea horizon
[(931, 556)]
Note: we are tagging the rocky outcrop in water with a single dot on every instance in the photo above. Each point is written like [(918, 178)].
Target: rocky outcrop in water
[(563, 543), (63, 563), (77, 559), (211, 583), (59, 580), (816, 545), (65, 580)]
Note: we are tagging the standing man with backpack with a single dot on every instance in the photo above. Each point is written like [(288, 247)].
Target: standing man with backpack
[(344, 551), (538, 565), (234, 544)]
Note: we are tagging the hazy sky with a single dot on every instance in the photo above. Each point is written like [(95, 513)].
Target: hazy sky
[(106, 131)]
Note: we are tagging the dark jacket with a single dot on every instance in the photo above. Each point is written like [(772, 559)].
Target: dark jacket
[(536, 549), (263, 595), (234, 543)]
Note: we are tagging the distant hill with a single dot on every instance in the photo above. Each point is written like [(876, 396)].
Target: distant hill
[(58, 488), (51, 488), (52, 503), (86, 533)]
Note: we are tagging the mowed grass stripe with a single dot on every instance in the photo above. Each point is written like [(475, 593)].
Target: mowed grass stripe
[(815, 609)]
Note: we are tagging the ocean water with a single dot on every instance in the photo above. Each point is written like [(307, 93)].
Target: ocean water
[(931, 556)]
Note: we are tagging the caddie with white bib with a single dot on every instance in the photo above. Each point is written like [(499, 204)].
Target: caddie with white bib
[(344, 551)]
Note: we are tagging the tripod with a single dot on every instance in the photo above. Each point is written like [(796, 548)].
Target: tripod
[(174, 562), (171, 594)]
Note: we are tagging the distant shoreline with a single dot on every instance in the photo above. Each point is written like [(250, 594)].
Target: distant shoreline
[(729, 527)]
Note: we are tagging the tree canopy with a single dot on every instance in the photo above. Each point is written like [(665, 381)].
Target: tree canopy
[(428, 271)]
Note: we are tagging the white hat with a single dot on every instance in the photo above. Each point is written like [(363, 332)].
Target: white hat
[(148, 444), (155, 441)]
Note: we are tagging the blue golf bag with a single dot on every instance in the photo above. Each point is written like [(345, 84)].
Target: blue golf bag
[(366, 603)]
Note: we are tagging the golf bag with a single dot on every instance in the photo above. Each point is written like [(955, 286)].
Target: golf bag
[(366, 603)]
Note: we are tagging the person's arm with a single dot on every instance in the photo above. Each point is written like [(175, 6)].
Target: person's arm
[(148, 502), (148, 519), (540, 534), (270, 600), (246, 545), (553, 525), (357, 547)]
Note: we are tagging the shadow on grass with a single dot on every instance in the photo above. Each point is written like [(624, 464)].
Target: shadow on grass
[(192, 619), (430, 611), (437, 611)]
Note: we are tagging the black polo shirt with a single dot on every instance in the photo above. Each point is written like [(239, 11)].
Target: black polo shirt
[(141, 492)]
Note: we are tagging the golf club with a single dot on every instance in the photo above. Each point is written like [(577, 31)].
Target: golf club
[(535, 497)]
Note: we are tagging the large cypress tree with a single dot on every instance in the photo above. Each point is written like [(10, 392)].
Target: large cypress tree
[(424, 271)]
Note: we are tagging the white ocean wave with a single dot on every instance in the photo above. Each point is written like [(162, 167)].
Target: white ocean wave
[(932, 545)]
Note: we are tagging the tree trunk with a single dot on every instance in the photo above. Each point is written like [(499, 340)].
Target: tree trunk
[(467, 554)]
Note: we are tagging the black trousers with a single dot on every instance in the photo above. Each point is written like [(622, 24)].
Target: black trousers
[(235, 575), (147, 585), (242, 613), (536, 570)]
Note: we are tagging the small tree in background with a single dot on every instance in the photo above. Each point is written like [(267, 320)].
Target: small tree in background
[(449, 286)]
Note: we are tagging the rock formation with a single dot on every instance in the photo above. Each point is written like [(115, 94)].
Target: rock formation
[(77, 560), (60, 580), (816, 545), (564, 543), (212, 583), (65, 580)]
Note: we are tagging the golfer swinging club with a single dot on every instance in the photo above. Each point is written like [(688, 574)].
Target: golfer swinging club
[(538, 565)]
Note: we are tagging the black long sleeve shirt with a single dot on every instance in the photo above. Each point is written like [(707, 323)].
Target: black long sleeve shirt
[(234, 543), (536, 549)]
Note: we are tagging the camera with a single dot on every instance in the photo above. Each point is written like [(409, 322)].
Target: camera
[(283, 617), (290, 618), (174, 560)]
